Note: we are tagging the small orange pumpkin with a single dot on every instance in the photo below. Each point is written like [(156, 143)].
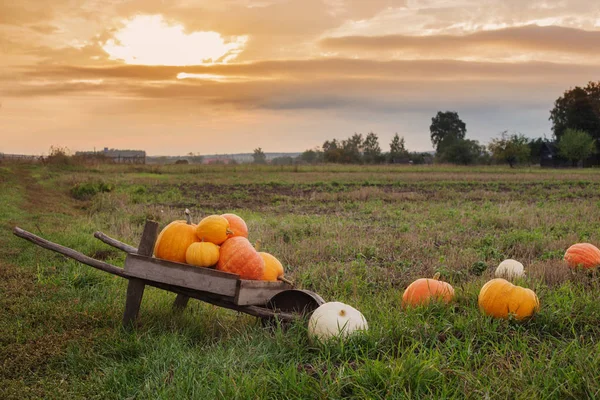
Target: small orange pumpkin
[(499, 298), (174, 240), (202, 254), (423, 290), (584, 255), (214, 229), (237, 225), (238, 256), (273, 267)]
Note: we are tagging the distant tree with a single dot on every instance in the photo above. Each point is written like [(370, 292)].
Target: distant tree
[(576, 145), (259, 156), (579, 109), (195, 158), (461, 151), (352, 149), (535, 150), (311, 156), (285, 160), (512, 149), (398, 150), (371, 149), (332, 151), (446, 127)]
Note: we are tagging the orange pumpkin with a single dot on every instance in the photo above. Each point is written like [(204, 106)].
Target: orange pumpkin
[(239, 257), (214, 229), (582, 255), (237, 225), (499, 298), (202, 254), (423, 290), (174, 240), (273, 267)]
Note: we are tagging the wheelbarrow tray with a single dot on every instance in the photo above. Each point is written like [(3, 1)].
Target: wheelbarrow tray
[(240, 292)]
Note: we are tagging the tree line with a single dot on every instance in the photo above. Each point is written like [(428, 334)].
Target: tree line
[(575, 121)]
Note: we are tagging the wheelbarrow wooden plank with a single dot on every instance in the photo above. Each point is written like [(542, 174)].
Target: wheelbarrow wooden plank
[(182, 275), (257, 292)]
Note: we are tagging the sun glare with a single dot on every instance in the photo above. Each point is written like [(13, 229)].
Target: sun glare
[(150, 40)]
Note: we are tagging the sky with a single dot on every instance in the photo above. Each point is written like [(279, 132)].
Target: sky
[(203, 76)]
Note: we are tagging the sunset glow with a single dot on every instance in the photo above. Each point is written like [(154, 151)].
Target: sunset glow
[(150, 40)]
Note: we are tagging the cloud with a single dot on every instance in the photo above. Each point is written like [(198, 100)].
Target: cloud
[(363, 87), (525, 38), (306, 70)]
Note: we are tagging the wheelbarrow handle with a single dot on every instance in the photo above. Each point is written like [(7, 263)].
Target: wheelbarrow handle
[(115, 243), (82, 258)]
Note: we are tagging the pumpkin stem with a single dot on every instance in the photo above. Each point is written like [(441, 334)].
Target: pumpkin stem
[(187, 216), (229, 232), (284, 279), (436, 276), (257, 245), (342, 313)]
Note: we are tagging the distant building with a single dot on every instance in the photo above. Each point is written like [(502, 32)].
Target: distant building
[(117, 156), (550, 158)]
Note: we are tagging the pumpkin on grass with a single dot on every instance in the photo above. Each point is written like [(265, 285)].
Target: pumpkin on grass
[(499, 298), (423, 290), (584, 255), (510, 269), (202, 254), (174, 240), (237, 225), (239, 257), (335, 319), (214, 229)]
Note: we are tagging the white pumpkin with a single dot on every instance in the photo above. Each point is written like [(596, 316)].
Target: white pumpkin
[(335, 319), (510, 269)]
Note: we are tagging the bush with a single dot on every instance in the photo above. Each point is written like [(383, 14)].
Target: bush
[(87, 190)]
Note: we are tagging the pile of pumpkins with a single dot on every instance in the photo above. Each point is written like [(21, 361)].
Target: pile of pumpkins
[(498, 298), (219, 241)]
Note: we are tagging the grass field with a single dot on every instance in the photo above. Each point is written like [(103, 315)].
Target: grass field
[(354, 234)]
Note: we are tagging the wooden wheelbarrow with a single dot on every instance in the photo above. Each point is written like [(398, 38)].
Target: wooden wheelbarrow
[(269, 301)]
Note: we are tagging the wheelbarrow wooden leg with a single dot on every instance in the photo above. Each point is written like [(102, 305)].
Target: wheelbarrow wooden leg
[(135, 292), (135, 289), (180, 303)]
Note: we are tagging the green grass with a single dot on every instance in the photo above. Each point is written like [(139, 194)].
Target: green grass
[(351, 234)]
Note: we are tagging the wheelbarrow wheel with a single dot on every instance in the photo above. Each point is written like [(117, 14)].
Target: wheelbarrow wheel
[(296, 301)]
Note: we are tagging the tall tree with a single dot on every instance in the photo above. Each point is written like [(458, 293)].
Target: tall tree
[(371, 149), (577, 108), (398, 150), (259, 156), (576, 145), (511, 149), (446, 127)]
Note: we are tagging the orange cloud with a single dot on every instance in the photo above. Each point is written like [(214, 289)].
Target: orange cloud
[(525, 38), (306, 70)]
